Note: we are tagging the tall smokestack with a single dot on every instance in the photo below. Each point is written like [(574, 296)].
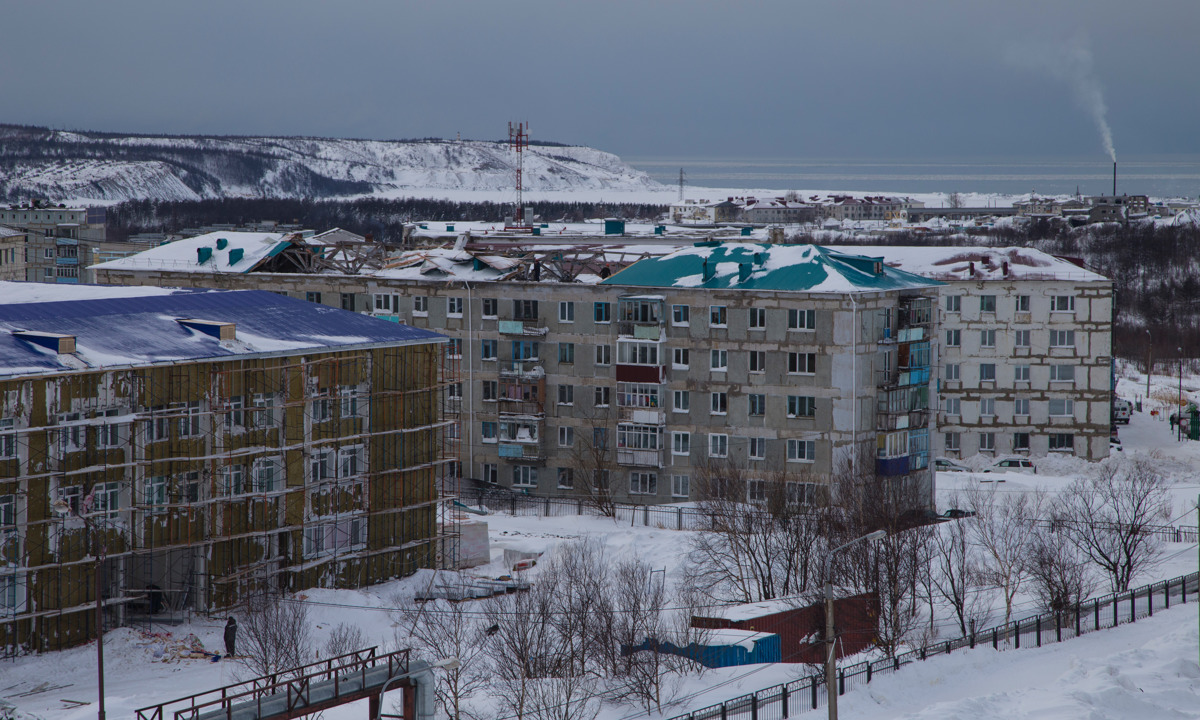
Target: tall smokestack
[(1114, 178)]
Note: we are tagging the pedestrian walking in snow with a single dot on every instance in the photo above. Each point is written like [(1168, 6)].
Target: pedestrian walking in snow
[(230, 637)]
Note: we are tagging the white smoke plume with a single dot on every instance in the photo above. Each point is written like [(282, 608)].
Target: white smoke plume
[(1071, 63)]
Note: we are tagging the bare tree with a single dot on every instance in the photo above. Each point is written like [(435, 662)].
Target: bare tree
[(954, 200), (1003, 532), (1060, 575), (439, 629), (593, 464), (955, 573), (343, 639), (1108, 517), (275, 635)]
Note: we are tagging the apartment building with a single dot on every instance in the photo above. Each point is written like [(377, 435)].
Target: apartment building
[(773, 359), (177, 451), (12, 253), (1025, 356)]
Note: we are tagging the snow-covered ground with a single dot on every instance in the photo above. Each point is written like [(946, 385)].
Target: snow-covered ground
[(1145, 670)]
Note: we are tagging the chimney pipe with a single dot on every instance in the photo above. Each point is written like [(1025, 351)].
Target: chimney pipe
[(1114, 178)]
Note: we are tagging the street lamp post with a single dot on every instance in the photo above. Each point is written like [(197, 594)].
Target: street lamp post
[(449, 663), (831, 691), (63, 508), (1179, 417)]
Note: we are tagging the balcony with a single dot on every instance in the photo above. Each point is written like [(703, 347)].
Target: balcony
[(641, 373), (66, 261), (639, 458), (520, 327), (643, 415), (640, 331), (520, 451), (523, 370), (892, 466), (521, 406)]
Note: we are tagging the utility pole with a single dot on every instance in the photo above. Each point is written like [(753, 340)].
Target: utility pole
[(1149, 361), (831, 689)]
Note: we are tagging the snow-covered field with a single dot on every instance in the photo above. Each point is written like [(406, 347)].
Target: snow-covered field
[(1145, 670)]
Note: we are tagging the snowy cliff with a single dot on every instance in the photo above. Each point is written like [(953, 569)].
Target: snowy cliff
[(60, 165)]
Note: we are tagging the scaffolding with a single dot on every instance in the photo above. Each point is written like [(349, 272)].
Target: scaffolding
[(190, 487)]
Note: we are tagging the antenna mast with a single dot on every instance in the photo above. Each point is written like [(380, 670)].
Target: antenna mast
[(680, 184), (518, 140)]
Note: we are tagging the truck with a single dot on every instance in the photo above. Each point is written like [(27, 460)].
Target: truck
[(1121, 411)]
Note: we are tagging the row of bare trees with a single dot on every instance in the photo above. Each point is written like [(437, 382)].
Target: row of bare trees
[(556, 651)]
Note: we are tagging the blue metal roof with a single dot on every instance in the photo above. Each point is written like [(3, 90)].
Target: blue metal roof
[(123, 331)]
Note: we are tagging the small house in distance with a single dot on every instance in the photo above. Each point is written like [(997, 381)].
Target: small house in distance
[(801, 630)]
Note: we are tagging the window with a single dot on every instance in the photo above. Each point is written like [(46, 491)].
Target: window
[(566, 353), (758, 448), (757, 405), (490, 390), (987, 338), (321, 464), (525, 309), (1062, 373), (680, 315), (48, 253), (349, 396), (265, 471), (1021, 406), (566, 312), (233, 479), (490, 473), (952, 441), (954, 303), (987, 372), (603, 396), (524, 476), (490, 307), (71, 495), (716, 316), (487, 431), (600, 479), (1021, 338), (681, 443), (802, 319), (987, 407), (189, 424), (719, 360), (801, 493), (348, 301), (263, 409), (1062, 407), (1062, 338), (802, 363), (602, 312), (1021, 441), (109, 434), (454, 348), (953, 406), (8, 438), (718, 445), (951, 371), (154, 494), (420, 305), (106, 498), (159, 426), (454, 307), (1021, 373), (1062, 442), (801, 450), (1062, 303), (756, 491), (488, 349), (680, 357), (643, 483), (632, 352), (682, 401), (953, 338), (386, 303), (566, 478), (720, 403), (801, 406), (635, 436), (524, 350), (987, 303), (566, 394), (987, 442), (643, 395), (600, 438), (313, 297), (1022, 303), (758, 318), (758, 361), (681, 486)]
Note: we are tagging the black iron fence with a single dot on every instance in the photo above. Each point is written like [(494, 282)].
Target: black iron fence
[(809, 693)]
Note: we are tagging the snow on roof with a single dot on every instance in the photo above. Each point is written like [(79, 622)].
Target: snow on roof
[(750, 611), (729, 636), (950, 264), (123, 328), (207, 253), (752, 266), (6, 231), (34, 292)]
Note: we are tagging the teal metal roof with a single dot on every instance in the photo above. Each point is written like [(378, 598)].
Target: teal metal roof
[(753, 266)]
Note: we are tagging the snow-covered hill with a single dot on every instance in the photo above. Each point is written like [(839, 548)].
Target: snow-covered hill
[(59, 165)]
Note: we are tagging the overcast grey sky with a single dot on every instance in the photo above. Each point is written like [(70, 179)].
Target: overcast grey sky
[(881, 79)]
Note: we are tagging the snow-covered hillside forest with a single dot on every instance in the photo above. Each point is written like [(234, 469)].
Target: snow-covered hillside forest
[(57, 165)]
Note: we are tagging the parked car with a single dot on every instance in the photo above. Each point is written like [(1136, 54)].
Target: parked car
[(1012, 464), (1122, 410), (955, 513), (947, 465), (1115, 446)]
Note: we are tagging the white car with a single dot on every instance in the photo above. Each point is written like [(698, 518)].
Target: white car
[(947, 465), (1012, 464)]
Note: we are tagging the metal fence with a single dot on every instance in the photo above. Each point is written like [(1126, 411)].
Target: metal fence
[(670, 517), (809, 693)]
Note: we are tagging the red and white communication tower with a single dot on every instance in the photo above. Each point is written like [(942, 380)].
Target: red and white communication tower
[(518, 140)]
